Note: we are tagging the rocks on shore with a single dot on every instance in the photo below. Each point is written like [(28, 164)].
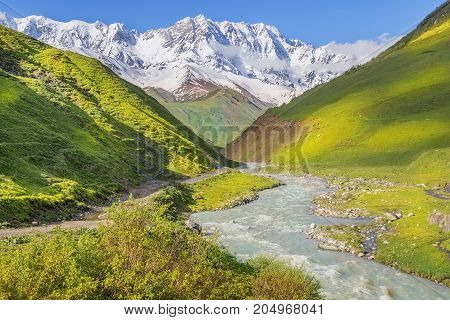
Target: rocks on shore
[(326, 243), (348, 213), (392, 216), (194, 226)]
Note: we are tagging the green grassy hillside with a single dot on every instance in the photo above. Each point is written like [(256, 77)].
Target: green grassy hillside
[(72, 131), (219, 117), (388, 118)]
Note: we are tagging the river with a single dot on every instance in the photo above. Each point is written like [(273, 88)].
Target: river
[(275, 225)]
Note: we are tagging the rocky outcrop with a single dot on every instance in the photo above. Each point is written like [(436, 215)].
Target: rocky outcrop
[(441, 219), (327, 243)]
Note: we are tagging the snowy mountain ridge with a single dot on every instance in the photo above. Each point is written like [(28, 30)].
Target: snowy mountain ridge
[(197, 55)]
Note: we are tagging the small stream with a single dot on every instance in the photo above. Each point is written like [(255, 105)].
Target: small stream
[(275, 225)]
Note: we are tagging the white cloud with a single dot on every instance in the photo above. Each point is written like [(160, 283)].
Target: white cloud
[(3, 15), (245, 60), (364, 50)]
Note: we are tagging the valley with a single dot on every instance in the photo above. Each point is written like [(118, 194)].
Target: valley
[(222, 160), (219, 117)]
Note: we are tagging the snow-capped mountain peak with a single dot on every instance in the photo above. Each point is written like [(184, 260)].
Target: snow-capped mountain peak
[(197, 55)]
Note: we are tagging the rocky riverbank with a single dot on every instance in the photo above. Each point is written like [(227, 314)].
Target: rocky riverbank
[(409, 228)]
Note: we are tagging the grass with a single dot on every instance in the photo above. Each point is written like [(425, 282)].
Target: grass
[(228, 190), (410, 242), (73, 132), (142, 254)]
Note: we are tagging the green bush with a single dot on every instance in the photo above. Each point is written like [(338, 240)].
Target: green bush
[(62, 265), (278, 281), (174, 199), (143, 252), (151, 257)]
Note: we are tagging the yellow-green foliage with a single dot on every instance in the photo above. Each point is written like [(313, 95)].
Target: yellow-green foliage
[(72, 131), (141, 255), (278, 281), (228, 190), (434, 31), (445, 244), (63, 265), (387, 118)]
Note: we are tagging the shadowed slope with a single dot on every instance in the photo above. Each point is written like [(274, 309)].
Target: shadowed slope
[(71, 130)]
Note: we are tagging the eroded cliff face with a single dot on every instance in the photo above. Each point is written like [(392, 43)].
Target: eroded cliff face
[(267, 135)]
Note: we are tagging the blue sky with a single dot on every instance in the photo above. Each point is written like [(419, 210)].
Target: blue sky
[(317, 22)]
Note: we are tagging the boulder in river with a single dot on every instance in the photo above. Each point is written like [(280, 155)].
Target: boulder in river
[(327, 247)]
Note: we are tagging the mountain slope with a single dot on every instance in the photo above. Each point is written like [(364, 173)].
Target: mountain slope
[(387, 118), (380, 133), (220, 117), (73, 131), (197, 56)]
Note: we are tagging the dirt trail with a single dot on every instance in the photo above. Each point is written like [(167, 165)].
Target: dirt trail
[(95, 216)]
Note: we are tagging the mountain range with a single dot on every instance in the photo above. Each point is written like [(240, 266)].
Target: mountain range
[(197, 56)]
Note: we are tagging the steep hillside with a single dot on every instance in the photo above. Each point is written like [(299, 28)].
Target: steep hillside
[(389, 118), (219, 117), (71, 131)]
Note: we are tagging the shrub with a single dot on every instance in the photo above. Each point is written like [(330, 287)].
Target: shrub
[(277, 281), (143, 252), (61, 265)]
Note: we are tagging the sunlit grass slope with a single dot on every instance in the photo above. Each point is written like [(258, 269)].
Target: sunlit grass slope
[(228, 190), (71, 131), (388, 118)]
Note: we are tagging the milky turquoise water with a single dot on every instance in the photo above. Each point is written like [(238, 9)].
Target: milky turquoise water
[(275, 225)]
